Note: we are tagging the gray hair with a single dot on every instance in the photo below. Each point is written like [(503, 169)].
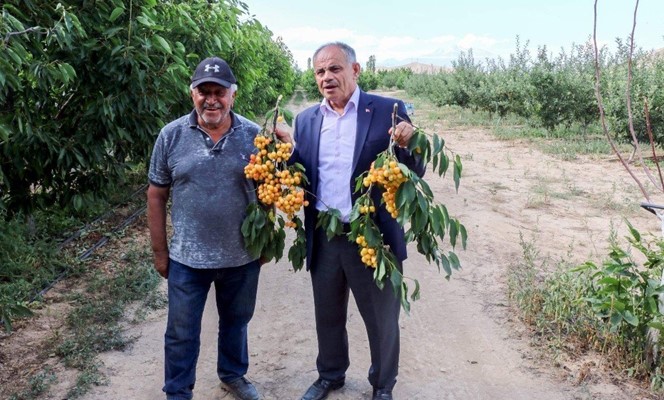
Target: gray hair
[(348, 51)]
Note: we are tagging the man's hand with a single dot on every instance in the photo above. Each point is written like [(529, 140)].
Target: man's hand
[(161, 263), (402, 134), (283, 135)]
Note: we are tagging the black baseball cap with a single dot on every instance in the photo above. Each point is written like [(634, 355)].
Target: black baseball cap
[(215, 70)]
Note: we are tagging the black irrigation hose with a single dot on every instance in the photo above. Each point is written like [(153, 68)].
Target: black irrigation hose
[(91, 250), (127, 221), (78, 233)]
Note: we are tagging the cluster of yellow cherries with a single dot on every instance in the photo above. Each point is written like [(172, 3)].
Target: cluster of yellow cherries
[(277, 184), (369, 254), (389, 177)]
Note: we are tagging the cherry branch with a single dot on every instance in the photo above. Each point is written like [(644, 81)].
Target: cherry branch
[(600, 103), (8, 35), (646, 112)]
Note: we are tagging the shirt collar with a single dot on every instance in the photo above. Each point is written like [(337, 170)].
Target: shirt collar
[(352, 102)]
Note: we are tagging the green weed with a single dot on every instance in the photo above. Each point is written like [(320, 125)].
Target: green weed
[(38, 384), (607, 308)]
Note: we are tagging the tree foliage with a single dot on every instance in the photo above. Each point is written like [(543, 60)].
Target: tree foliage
[(548, 90), (86, 85)]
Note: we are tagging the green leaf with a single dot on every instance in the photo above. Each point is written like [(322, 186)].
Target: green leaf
[(635, 234), (112, 31), (454, 260), (288, 116), (330, 220), (657, 325), (437, 144), (457, 171), (453, 232), (270, 115), (298, 251), (437, 222), (4, 132), (13, 55), (396, 278), (606, 281), (380, 272), (116, 13), (162, 44), (584, 267), (143, 20), (446, 266), (372, 235), (444, 164), (404, 297), (416, 293), (419, 220), (616, 319), (422, 203), (425, 188), (406, 194)]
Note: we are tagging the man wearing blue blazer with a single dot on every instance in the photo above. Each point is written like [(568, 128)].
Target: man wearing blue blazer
[(336, 141)]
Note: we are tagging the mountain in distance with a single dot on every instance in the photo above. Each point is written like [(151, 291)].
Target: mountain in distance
[(441, 59), (436, 60)]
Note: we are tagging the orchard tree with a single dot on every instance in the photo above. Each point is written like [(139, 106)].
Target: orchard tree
[(371, 64), (85, 86)]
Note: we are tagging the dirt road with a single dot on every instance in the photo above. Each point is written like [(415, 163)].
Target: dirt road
[(460, 340)]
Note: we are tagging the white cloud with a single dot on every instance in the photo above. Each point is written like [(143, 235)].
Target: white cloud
[(443, 39), (303, 42), (474, 41)]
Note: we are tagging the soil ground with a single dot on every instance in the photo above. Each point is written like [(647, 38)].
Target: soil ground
[(461, 339)]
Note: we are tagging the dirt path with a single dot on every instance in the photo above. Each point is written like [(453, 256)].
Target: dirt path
[(460, 340)]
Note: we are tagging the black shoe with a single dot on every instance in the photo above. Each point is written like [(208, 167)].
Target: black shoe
[(382, 394), (321, 388), (242, 389)]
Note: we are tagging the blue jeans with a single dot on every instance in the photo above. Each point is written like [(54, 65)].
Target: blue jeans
[(187, 291)]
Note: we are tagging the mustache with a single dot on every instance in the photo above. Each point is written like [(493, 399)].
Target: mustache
[(215, 105)]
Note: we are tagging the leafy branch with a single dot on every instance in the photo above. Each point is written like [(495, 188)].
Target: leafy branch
[(410, 200)]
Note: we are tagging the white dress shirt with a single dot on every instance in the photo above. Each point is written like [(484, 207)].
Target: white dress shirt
[(335, 157)]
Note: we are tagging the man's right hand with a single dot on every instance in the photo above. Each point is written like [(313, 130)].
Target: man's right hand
[(283, 135), (161, 263)]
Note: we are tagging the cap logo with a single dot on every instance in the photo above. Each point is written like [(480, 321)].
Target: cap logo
[(208, 67)]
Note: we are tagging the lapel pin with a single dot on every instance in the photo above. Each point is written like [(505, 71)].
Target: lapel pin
[(367, 110)]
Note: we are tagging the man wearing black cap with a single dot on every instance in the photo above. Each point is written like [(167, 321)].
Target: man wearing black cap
[(200, 158)]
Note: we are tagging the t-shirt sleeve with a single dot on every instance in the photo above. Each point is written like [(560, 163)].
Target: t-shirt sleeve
[(160, 173)]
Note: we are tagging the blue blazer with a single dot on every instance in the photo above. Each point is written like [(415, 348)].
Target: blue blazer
[(374, 119)]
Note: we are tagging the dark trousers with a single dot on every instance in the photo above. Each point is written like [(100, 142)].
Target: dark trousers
[(187, 292), (337, 269)]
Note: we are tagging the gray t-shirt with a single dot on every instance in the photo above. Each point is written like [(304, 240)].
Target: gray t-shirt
[(209, 190)]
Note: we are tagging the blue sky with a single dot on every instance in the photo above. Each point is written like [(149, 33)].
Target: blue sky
[(434, 31)]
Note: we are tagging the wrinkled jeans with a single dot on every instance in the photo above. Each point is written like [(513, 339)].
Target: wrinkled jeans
[(187, 292)]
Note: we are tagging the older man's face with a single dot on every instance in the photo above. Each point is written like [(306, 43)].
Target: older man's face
[(335, 76), (213, 104)]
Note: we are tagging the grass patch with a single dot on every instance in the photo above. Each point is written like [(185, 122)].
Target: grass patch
[(38, 385), (30, 253), (565, 143), (95, 324), (606, 308)]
